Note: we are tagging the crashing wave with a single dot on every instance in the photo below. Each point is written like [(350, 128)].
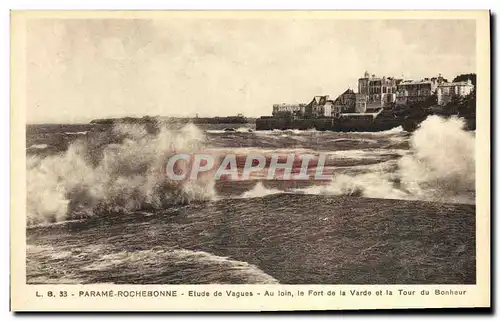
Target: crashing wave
[(439, 167), (95, 176)]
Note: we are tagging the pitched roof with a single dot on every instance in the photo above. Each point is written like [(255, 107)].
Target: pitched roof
[(451, 84), (415, 82)]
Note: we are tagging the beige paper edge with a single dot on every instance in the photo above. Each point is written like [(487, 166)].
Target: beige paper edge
[(23, 296)]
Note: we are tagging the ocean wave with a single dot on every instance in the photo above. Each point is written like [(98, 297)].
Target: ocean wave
[(395, 130), (121, 171), (259, 190), (355, 140), (198, 267), (287, 131), (113, 177), (223, 131), (346, 153), (153, 266), (373, 153), (439, 167), (38, 146)]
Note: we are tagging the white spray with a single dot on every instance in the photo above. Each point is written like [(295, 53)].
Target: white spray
[(129, 176), (440, 166)]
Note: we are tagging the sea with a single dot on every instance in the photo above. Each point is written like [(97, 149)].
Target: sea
[(396, 208)]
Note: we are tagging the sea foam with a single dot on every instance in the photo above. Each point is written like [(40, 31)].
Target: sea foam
[(94, 177), (440, 166)]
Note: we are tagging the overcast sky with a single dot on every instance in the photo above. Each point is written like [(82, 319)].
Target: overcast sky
[(83, 69)]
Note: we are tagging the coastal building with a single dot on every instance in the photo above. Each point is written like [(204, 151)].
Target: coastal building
[(379, 90), (361, 103), (320, 106), (446, 92), (345, 102), (327, 110), (411, 92), (350, 102), (375, 94), (288, 110)]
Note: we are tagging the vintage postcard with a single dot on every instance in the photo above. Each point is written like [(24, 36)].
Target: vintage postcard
[(250, 160)]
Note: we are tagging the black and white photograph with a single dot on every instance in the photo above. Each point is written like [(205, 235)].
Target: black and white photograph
[(262, 149)]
